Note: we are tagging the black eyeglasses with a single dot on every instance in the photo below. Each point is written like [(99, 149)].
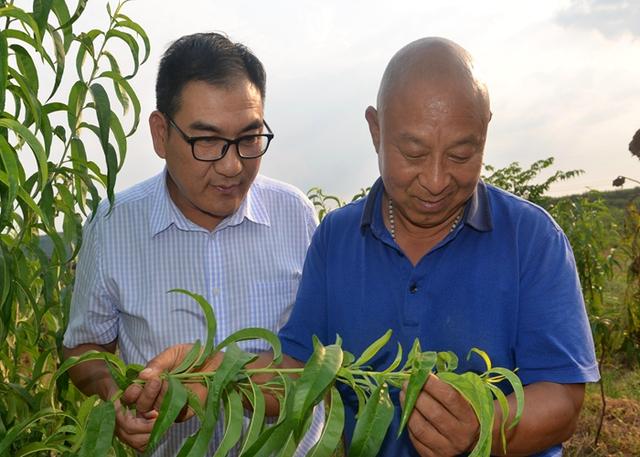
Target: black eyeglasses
[(212, 148)]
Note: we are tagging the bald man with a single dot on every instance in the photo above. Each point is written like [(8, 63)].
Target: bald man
[(434, 253)]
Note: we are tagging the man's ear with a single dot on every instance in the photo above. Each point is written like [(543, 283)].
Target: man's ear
[(159, 128), (371, 115)]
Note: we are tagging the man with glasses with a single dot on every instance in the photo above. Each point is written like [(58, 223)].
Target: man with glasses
[(208, 224)]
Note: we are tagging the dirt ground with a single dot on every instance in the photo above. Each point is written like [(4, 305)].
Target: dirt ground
[(620, 435)]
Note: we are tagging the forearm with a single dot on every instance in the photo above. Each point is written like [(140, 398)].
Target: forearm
[(92, 377), (549, 417), (272, 405)]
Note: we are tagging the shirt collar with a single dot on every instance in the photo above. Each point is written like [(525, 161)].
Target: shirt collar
[(477, 213), (165, 213)]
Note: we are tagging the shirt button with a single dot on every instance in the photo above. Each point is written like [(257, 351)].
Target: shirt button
[(413, 288)]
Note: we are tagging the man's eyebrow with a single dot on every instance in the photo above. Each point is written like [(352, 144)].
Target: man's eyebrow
[(205, 127)]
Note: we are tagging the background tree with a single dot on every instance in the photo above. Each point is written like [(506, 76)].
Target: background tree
[(47, 187)]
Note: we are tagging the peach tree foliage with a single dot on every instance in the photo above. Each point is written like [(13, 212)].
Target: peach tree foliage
[(317, 381), (58, 86)]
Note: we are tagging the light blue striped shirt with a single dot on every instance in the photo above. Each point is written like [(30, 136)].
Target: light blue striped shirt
[(248, 268)]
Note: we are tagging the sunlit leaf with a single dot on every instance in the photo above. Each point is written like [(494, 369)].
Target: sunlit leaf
[(422, 366), (372, 425), (253, 333), (373, 349)]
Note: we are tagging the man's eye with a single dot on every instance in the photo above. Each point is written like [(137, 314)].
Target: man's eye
[(249, 140), (211, 142)]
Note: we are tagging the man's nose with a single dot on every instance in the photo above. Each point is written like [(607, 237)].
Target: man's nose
[(434, 177), (231, 164)]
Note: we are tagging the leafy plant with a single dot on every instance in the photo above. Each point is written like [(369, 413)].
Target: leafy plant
[(519, 181), (327, 367), (47, 185)]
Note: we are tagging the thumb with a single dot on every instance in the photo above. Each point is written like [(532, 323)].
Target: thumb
[(167, 360)]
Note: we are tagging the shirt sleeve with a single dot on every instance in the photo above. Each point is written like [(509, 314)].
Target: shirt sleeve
[(309, 316), (93, 314), (554, 341)]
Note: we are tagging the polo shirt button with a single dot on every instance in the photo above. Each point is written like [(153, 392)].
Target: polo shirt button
[(413, 288)]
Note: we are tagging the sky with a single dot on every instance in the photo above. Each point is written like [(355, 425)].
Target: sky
[(564, 79)]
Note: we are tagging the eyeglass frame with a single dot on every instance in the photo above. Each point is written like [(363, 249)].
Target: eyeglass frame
[(229, 142)]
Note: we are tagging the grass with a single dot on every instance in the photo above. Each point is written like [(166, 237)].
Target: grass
[(620, 435)]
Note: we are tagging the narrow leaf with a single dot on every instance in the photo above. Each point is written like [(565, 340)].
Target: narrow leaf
[(172, 403), (422, 367), (100, 427), (372, 425), (373, 349), (333, 426), (211, 324), (234, 416), (253, 333)]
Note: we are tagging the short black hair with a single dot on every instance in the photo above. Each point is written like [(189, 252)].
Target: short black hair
[(209, 57)]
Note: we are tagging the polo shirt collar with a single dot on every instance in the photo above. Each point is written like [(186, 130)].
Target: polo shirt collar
[(477, 213), (165, 213)]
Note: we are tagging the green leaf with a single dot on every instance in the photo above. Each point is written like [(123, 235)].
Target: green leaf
[(59, 8), (26, 66), (34, 144), (82, 4), (17, 430), (234, 416), (480, 397), (372, 425), (26, 19), (115, 68), (41, 10), (373, 349), (319, 375), (25, 92), (4, 67), (257, 418), (60, 53), (254, 333), (11, 167), (189, 360), (211, 324), (447, 361), (518, 390), (131, 43), (422, 366), (5, 277), (120, 137), (103, 112), (482, 354), (124, 21), (100, 428), (333, 426), (76, 101), (172, 403), (504, 406), (396, 362), (124, 84), (198, 446)]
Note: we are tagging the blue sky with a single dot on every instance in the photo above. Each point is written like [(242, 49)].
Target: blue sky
[(564, 79)]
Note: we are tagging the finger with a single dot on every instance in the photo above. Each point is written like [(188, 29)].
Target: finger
[(449, 398), (431, 411), (131, 394), (149, 396), (167, 360), (427, 440)]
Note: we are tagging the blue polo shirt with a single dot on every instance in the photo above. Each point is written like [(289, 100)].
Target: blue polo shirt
[(503, 281)]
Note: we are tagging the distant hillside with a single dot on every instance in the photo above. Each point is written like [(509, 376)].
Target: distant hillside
[(614, 199)]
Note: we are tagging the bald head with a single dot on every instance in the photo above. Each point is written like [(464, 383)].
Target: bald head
[(433, 62)]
